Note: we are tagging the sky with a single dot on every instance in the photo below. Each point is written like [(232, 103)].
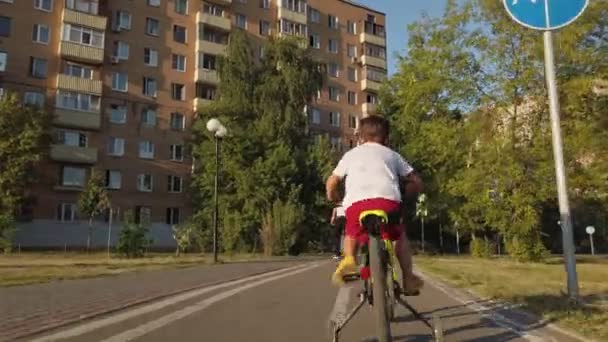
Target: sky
[(400, 13)]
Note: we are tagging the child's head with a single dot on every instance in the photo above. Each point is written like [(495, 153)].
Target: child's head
[(375, 129)]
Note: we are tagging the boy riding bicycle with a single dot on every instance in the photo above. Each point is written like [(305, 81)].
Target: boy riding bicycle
[(375, 173)]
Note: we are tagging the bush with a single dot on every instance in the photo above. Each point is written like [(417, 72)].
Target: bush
[(7, 231), (280, 227), (480, 248), (132, 242), (527, 248)]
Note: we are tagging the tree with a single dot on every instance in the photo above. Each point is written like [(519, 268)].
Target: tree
[(24, 131), (267, 160), (93, 202)]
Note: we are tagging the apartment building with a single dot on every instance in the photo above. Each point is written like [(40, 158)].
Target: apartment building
[(125, 79)]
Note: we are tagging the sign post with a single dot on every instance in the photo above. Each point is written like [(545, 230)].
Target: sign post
[(591, 230), (549, 15)]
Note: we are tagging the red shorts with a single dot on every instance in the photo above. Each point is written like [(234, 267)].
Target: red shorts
[(353, 227)]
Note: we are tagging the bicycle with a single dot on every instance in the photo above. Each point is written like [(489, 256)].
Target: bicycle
[(381, 287)]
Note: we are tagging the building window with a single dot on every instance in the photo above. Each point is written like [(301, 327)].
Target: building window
[(149, 88), (3, 60), (351, 27), (373, 28), (122, 20), (334, 119), (44, 5), (351, 50), (120, 81), (292, 28), (352, 121), (295, 5), (178, 62), (146, 149), (174, 184), (38, 67), (116, 147), (154, 3), (33, 98), (152, 27), (41, 34), (176, 152), (265, 4), (352, 74), (181, 6), (78, 70), (332, 69), (314, 15), (70, 138), (375, 74), (178, 122), (264, 28), (352, 98), (207, 62), (77, 101), (84, 36), (213, 36), (148, 117), (336, 144), (371, 98), (118, 114), (179, 34), (173, 216), (334, 94), (332, 21), (66, 212), (5, 26), (241, 21), (178, 92), (143, 215), (86, 6), (121, 50), (213, 10), (73, 176), (205, 91), (332, 46), (316, 116), (145, 182), (150, 57), (315, 41), (113, 179), (375, 51)]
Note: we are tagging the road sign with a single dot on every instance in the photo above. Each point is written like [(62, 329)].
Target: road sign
[(590, 230), (545, 14)]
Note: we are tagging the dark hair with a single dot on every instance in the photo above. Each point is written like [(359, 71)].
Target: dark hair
[(374, 128)]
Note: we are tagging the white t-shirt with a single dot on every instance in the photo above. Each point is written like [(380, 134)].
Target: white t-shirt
[(372, 171)]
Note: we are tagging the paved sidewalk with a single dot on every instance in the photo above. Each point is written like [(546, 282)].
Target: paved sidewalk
[(30, 309)]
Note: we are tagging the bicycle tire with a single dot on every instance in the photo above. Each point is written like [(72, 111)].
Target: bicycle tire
[(391, 300), (378, 270)]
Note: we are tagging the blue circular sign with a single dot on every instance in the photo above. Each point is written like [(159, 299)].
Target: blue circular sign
[(545, 14)]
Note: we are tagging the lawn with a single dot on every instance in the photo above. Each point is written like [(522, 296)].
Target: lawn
[(31, 268), (538, 286)]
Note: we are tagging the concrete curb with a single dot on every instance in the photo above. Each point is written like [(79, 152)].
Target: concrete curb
[(471, 299)]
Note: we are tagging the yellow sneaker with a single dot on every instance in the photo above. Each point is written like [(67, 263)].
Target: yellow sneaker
[(347, 266)]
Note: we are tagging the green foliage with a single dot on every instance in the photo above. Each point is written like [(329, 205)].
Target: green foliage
[(481, 248), (24, 131), (468, 107), (268, 156), (280, 227), (132, 242), (185, 235), (93, 201)]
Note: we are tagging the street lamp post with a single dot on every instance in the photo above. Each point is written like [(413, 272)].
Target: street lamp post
[(219, 131), (422, 212)]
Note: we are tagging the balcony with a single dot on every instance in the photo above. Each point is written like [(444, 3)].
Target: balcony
[(81, 53), (77, 119), (296, 17), (96, 22), (369, 108), (206, 76), (221, 2), (370, 85), (79, 84), (214, 20), (73, 154), (365, 37), (199, 103), (373, 61), (211, 47)]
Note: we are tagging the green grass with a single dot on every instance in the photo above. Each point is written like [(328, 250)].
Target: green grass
[(539, 287), (32, 268)]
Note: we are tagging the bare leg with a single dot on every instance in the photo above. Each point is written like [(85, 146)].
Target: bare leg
[(411, 282)]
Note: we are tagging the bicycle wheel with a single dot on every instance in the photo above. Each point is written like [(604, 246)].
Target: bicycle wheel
[(378, 270), (391, 300)]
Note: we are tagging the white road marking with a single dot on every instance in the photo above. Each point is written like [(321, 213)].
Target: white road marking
[(121, 317), (146, 328)]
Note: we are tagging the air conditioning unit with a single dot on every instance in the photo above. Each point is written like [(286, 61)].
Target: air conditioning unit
[(114, 59)]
